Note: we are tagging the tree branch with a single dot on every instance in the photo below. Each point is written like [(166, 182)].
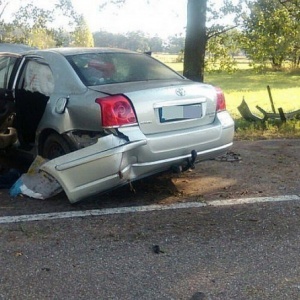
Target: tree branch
[(3, 9), (209, 36)]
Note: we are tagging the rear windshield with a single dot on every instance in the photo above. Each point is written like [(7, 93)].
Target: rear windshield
[(105, 68)]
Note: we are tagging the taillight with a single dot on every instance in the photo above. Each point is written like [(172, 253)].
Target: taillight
[(221, 104), (116, 111)]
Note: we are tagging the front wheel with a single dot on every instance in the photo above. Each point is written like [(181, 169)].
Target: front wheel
[(54, 146)]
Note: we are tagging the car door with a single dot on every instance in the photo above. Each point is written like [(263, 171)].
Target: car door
[(8, 64)]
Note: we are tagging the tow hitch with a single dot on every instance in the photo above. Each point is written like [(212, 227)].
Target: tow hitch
[(190, 163)]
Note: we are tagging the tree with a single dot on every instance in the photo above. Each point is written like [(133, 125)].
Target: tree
[(3, 6), (133, 40), (271, 34), (195, 41), (82, 35), (156, 44), (204, 22), (293, 7), (138, 41), (175, 44), (33, 25), (41, 38), (199, 14), (33, 22), (220, 51)]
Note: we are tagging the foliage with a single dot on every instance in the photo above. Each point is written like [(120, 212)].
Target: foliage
[(134, 40), (221, 50), (293, 8), (40, 38), (3, 6), (32, 25), (270, 34), (82, 35), (205, 21), (175, 44), (30, 16), (138, 41), (245, 130)]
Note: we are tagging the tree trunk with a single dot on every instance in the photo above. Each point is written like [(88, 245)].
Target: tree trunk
[(195, 41)]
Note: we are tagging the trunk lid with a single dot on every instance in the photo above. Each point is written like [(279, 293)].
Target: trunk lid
[(169, 106)]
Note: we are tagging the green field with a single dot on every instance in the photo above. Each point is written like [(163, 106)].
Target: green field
[(285, 90)]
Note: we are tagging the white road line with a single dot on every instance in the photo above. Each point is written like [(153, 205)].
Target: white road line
[(97, 212), (253, 200), (146, 208)]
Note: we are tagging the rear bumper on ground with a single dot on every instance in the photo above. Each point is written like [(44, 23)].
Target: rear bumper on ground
[(113, 161)]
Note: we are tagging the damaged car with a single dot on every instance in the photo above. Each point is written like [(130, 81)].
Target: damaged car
[(106, 117)]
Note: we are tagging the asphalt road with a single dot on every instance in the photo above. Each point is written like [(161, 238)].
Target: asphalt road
[(237, 251), (248, 251)]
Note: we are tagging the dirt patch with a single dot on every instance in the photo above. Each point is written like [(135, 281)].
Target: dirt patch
[(253, 168)]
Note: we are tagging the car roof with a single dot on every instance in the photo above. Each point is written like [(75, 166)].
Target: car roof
[(65, 51), (14, 48), (80, 50)]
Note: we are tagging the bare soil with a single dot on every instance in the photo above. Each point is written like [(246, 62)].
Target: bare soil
[(257, 169)]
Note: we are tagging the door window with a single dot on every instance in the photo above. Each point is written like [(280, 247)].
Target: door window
[(6, 66)]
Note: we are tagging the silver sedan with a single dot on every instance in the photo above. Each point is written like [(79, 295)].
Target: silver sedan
[(105, 117)]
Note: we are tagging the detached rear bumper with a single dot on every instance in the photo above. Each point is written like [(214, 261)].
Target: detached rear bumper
[(113, 161)]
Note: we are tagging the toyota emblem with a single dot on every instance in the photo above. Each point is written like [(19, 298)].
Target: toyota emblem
[(180, 92)]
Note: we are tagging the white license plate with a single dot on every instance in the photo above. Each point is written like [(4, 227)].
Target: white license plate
[(180, 113)]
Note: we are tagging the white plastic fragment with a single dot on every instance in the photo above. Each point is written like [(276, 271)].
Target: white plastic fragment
[(36, 183)]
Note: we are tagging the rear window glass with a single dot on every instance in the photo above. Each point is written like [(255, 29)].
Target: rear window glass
[(105, 68)]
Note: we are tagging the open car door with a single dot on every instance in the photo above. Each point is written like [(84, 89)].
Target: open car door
[(8, 62), (8, 65)]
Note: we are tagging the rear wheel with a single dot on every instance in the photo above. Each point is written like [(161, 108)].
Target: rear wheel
[(54, 146)]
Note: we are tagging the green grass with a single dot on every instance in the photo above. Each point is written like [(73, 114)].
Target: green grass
[(285, 90), (247, 84)]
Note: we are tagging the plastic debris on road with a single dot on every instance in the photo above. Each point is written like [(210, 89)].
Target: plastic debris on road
[(36, 183)]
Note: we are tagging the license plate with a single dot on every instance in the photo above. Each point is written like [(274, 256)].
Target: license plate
[(180, 113)]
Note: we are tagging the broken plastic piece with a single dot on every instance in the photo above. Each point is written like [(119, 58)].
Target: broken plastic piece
[(36, 183)]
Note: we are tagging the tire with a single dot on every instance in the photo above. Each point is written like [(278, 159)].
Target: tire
[(54, 146)]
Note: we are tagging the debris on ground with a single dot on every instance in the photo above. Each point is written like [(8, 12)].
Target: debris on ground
[(229, 156), (156, 249), (36, 183), (246, 113)]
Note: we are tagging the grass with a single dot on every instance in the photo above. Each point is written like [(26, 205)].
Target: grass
[(285, 90), (247, 84)]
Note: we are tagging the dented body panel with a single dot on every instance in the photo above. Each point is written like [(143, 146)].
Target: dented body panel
[(105, 117), (115, 161)]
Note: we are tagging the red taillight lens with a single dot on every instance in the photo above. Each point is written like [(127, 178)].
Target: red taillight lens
[(221, 104), (116, 111)]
